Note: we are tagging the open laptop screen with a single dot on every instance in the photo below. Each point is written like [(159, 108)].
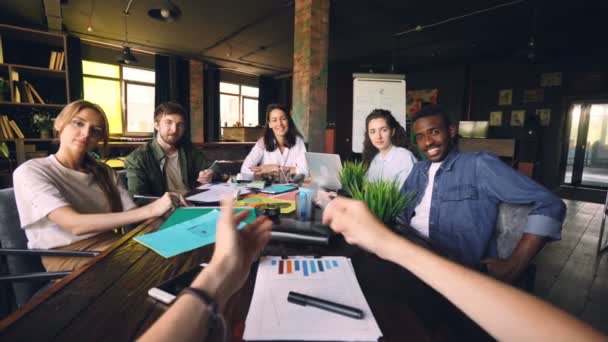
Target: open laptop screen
[(324, 169)]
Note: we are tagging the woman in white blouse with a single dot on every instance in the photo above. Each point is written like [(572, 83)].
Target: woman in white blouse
[(69, 199), (281, 147), (383, 148)]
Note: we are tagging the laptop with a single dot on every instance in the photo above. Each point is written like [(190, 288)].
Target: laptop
[(324, 169)]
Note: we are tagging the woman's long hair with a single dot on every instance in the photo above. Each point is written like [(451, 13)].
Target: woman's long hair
[(270, 141), (397, 139), (103, 175)]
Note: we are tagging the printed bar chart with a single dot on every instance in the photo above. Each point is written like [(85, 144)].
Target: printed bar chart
[(306, 266)]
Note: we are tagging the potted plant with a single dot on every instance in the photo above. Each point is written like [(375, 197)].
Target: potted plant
[(352, 176), (44, 124), (382, 197)]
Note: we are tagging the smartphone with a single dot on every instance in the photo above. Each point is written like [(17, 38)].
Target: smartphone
[(168, 291)]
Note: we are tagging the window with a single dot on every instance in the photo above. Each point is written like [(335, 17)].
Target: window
[(126, 94), (238, 105)]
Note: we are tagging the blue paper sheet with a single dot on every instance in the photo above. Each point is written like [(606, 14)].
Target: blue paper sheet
[(184, 236), (279, 188)]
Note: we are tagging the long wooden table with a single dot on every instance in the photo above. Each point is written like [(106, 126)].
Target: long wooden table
[(107, 299)]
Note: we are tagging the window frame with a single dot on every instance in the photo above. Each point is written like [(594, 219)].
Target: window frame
[(123, 96), (241, 105), (243, 109)]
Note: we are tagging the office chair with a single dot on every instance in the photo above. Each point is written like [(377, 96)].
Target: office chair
[(122, 175), (510, 222), (26, 275)]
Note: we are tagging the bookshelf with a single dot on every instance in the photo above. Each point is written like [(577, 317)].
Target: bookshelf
[(37, 58)]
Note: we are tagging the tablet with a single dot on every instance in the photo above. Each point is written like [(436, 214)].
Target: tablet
[(167, 291)]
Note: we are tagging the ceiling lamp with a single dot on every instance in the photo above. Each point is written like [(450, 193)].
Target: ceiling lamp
[(165, 11), (126, 57)]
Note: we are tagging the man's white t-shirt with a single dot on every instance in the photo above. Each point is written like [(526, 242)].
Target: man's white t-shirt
[(43, 185), (174, 174), (422, 215)]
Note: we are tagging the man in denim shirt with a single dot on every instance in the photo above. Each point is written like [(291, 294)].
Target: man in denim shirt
[(457, 198)]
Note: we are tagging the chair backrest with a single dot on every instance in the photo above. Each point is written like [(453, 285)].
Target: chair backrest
[(122, 175), (509, 227), (12, 236)]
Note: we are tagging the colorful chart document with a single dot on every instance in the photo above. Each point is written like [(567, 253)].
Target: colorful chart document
[(187, 229), (272, 317)]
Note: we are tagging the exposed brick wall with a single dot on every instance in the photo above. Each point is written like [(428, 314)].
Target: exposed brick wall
[(196, 102), (311, 39)]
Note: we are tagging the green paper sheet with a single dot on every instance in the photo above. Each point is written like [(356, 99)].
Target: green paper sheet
[(187, 229)]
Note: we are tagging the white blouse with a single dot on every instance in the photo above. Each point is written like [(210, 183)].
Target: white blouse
[(396, 164), (291, 157)]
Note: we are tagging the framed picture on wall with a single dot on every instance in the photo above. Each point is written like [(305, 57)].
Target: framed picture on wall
[(544, 116), (496, 118), (518, 118), (534, 95), (505, 97)]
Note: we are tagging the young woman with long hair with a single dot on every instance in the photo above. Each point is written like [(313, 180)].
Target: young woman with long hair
[(69, 199), (281, 147), (384, 148)]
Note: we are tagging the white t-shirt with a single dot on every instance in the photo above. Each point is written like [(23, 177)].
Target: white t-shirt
[(43, 185), (174, 174), (291, 157), (396, 164), (422, 215)]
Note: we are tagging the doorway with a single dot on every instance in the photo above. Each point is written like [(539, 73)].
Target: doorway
[(587, 156)]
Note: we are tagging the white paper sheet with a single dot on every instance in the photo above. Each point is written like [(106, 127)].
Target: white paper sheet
[(215, 192), (272, 317)]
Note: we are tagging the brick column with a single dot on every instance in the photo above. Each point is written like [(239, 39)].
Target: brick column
[(310, 45), (196, 102)]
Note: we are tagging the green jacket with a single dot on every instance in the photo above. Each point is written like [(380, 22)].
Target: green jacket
[(144, 173)]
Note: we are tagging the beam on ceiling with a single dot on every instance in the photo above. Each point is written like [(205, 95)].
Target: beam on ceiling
[(54, 19)]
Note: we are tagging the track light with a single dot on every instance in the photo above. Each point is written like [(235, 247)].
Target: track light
[(126, 57), (165, 11)]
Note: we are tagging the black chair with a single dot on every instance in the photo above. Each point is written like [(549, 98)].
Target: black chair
[(22, 271)]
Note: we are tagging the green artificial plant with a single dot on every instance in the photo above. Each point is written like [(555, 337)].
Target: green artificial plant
[(352, 176), (4, 150), (382, 197)]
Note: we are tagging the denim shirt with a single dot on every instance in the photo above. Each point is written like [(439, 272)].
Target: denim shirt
[(467, 191)]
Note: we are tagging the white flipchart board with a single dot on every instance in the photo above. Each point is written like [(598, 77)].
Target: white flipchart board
[(376, 91)]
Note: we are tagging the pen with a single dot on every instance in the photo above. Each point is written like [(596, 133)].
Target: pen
[(304, 300), (212, 164), (145, 197)]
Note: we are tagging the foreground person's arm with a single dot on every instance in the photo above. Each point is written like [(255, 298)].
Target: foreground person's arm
[(188, 318), (503, 311)]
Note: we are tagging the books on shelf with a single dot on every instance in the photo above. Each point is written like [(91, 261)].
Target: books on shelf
[(1, 51), (3, 130), (33, 91), (56, 60), (16, 129), (9, 129), (26, 93)]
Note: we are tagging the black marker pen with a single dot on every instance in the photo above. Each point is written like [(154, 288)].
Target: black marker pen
[(304, 300)]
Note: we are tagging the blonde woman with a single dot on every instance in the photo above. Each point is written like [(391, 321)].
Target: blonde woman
[(70, 200)]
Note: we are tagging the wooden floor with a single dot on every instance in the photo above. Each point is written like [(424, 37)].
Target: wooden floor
[(565, 268)]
